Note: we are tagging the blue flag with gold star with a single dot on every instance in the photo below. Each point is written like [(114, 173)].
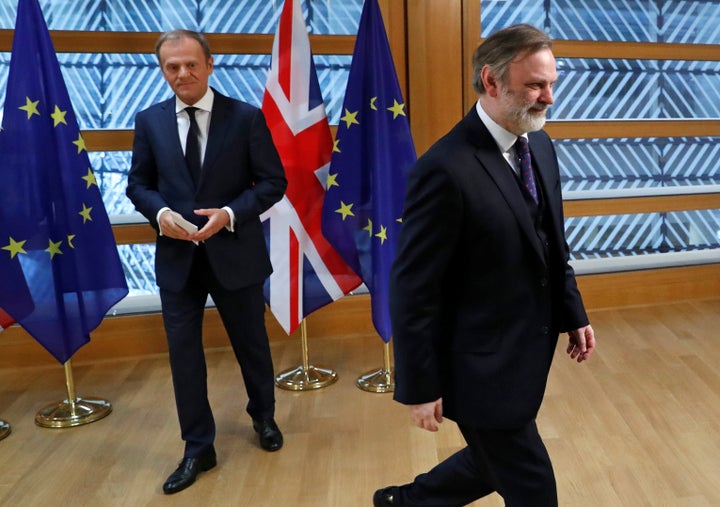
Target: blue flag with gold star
[(374, 150), (59, 267)]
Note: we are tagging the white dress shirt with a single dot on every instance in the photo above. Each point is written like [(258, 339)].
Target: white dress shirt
[(504, 139)]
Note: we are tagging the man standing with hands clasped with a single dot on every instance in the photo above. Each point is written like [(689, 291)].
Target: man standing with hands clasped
[(204, 168), (481, 286)]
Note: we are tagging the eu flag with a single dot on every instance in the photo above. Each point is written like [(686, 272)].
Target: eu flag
[(373, 153), (59, 267)]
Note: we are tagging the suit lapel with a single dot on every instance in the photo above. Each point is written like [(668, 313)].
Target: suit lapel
[(216, 134), (169, 125), (173, 148), (497, 168), (547, 174)]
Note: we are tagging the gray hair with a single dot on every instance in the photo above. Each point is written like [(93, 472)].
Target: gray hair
[(183, 34), (502, 47)]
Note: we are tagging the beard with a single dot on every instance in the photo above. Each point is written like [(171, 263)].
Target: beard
[(522, 115)]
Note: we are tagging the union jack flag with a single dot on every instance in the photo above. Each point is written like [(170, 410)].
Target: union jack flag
[(307, 272), (5, 320)]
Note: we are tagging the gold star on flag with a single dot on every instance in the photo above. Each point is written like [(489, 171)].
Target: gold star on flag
[(58, 117), (397, 109), (345, 210), (30, 107), (54, 248), (336, 146), (399, 220), (15, 247), (331, 181), (368, 227), (372, 103), (350, 118), (71, 237), (90, 178), (80, 143), (382, 234), (85, 213)]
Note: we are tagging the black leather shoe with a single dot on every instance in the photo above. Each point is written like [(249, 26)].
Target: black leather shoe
[(386, 497), (270, 437), (188, 471)]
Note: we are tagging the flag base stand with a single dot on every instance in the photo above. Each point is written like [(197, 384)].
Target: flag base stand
[(305, 377), (379, 381), (4, 429), (73, 411)]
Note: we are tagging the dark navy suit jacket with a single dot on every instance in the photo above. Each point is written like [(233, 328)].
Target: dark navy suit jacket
[(476, 305), (241, 170)]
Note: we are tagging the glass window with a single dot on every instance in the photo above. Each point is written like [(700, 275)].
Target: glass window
[(597, 89), (337, 17), (640, 163), (671, 21), (139, 265), (646, 233)]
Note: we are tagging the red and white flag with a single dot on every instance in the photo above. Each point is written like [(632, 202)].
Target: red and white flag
[(307, 272), (5, 320)]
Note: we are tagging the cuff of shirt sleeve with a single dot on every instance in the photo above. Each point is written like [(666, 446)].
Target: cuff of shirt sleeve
[(157, 218), (231, 226)]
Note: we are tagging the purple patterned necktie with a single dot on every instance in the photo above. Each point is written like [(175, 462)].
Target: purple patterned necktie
[(526, 173)]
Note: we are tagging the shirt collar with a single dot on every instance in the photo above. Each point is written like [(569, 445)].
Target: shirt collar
[(205, 103), (503, 138)]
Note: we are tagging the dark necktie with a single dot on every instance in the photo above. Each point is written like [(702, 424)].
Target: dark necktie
[(526, 173), (192, 146)]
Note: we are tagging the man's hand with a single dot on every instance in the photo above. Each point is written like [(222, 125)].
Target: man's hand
[(427, 415), (581, 343), (169, 228), (217, 219)]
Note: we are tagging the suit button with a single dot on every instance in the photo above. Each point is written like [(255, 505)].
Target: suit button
[(545, 330), (543, 282)]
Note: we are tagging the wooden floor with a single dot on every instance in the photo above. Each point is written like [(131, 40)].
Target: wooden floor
[(639, 425)]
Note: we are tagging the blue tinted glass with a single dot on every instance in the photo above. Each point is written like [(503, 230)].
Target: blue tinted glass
[(688, 22), (209, 16), (111, 169), (595, 89), (139, 265), (107, 90), (626, 235), (611, 164)]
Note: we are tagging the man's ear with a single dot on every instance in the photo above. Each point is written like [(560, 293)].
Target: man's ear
[(489, 81)]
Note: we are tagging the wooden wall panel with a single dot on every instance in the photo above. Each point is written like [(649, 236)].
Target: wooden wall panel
[(393, 13), (435, 66)]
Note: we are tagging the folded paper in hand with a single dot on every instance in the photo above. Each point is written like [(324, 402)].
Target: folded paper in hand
[(185, 224)]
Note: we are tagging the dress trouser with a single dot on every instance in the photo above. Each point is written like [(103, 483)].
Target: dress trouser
[(242, 312), (513, 463)]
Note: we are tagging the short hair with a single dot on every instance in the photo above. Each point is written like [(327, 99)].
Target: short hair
[(180, 33), (502, 47)]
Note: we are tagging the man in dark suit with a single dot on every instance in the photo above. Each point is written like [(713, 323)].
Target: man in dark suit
[(481, 286), (215, 167)]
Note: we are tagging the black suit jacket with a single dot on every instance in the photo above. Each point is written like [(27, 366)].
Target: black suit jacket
[(241, 170), (476, 306)]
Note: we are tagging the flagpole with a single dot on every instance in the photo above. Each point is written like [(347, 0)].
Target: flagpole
[(4, 429), (305, 377), (379, 381), (72, 411)]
